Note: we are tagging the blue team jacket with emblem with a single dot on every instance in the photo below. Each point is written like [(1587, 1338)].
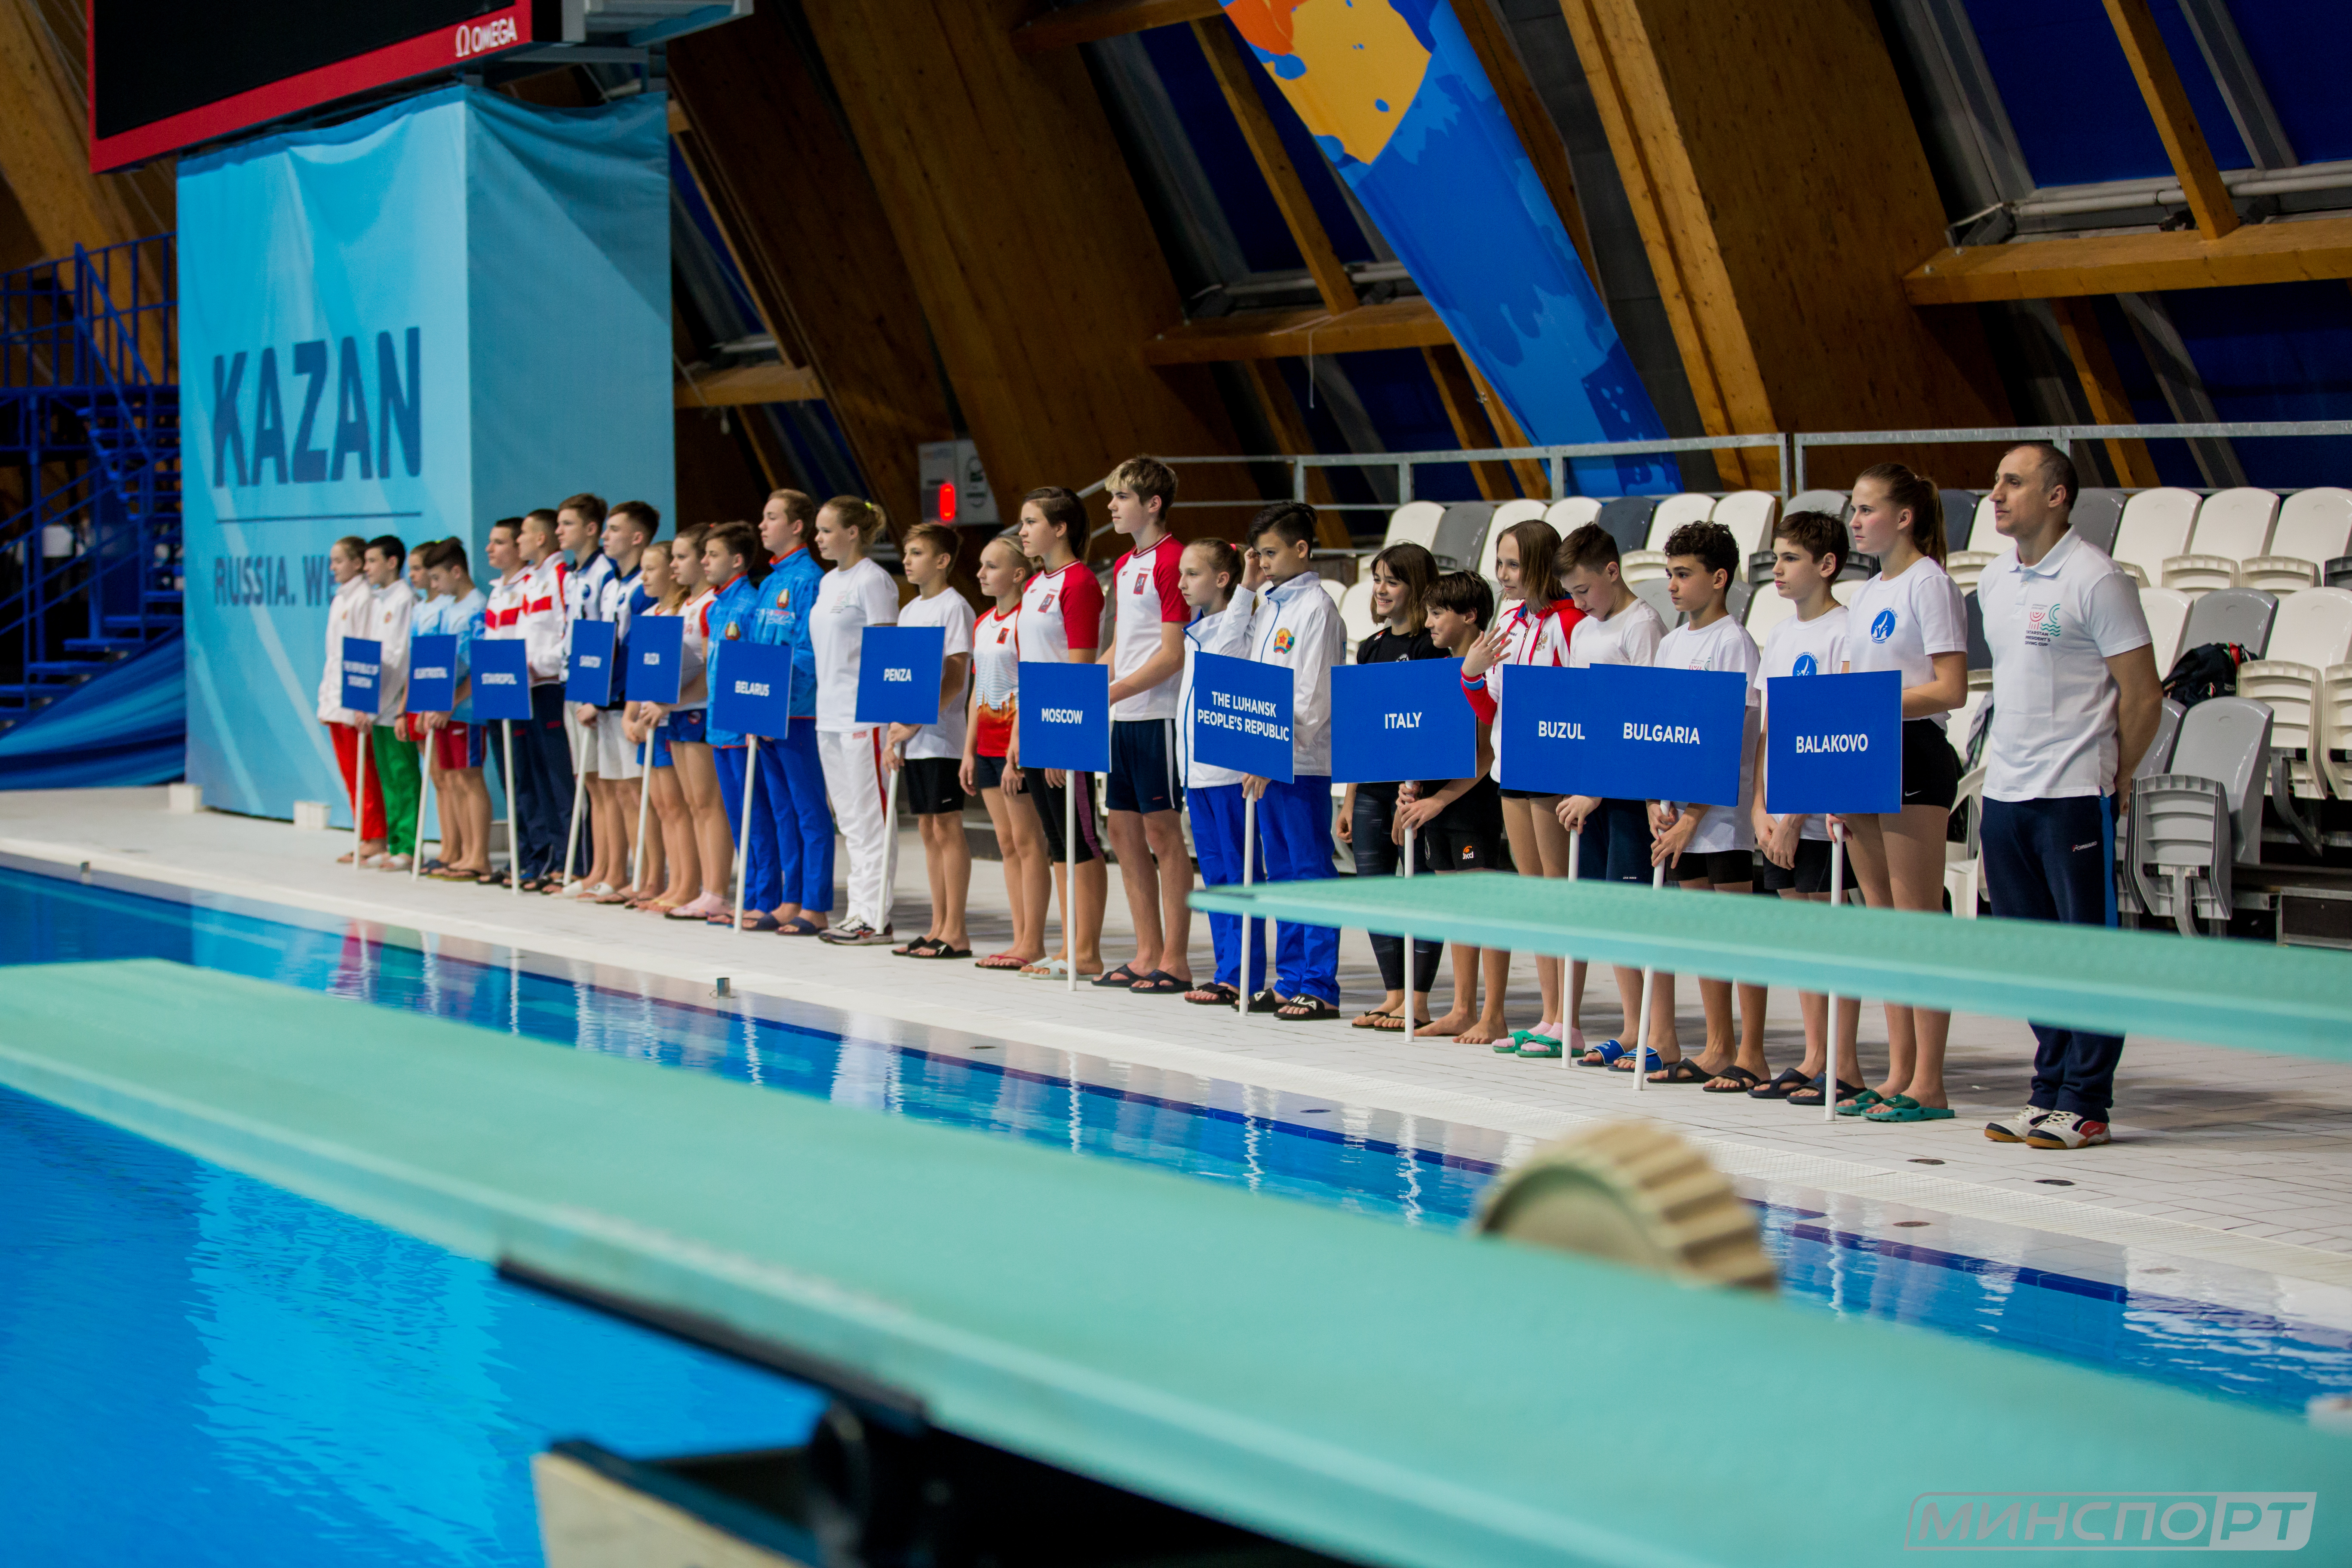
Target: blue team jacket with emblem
[(730, 622), (780, 619)]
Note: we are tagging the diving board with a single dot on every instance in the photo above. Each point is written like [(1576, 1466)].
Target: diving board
[(1379, 1392)]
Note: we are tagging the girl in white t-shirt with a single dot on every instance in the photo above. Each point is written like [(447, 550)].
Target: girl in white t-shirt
[(670, 876), (1908, 618), (988, 736), (929, 757), (690, 751), (853, 596)]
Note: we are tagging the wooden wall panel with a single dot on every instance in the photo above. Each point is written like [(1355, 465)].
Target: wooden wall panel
[(808, 229), (1025, 237), (45, 142)]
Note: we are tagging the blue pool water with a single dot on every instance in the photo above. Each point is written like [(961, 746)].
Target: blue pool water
[(267, 1382)]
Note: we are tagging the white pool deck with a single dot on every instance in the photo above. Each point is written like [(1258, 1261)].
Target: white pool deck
[(2229, 1183)]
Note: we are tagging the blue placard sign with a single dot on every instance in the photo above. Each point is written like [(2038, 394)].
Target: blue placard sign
[(1625, 733), (1404, 719), (750, 689), (433, 673), (1833, 742), (1241, 715), (656, 658), (362, 674), (502, 668), (899, 674), (1065, 716), (590, 677)]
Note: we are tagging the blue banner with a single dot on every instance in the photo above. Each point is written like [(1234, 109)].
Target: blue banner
[(1065, 716), (501, 670), (1406, 719), (751, 694), (371, 316), (1834, 744), (433, 673), (589, 676), (899, 674), (1625, 733), (656, 658), (363, 669), (1241, 715)]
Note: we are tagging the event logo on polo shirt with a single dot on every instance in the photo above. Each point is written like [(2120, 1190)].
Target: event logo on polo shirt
[(2040, 625), (1882, 625), (1806, 665), (370, 416)]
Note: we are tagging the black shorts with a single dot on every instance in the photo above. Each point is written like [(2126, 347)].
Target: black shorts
[(1143, 766), (1726, 867), (1508, 792), (931, 785), (1810, 874), (1615, 845), (1463, 849), (1050, 806), (987, 772), (1931, 769)]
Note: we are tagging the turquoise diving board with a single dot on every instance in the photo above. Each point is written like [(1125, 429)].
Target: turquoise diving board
[(1384, 1394), (2293, 1000)]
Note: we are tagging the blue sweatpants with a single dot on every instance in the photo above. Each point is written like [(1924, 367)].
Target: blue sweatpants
[(791, 785), (1294, 824), (2056, 860), (760, 889), (1217, 842)]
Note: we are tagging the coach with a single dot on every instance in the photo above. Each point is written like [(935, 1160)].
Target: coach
[(2075, 699)]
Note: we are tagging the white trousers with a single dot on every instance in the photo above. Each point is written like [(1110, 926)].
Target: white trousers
[(855, 783)]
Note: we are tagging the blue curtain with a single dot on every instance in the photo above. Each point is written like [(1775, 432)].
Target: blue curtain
[(127, 726)]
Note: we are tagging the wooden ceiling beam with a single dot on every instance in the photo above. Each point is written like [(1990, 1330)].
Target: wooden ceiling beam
[(1535, 479), (2134, 263), (2102, 386), (2176, 120), (1291, 437), (1236, 73), (743, 383), (1407, 323), (1467, 415), (1099, 19)]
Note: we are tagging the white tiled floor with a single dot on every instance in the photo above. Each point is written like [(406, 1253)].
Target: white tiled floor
[(2229, 1180)]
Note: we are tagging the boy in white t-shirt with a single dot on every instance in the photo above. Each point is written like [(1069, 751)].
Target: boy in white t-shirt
[(1808, 551), (930, 756), (1709, 848)]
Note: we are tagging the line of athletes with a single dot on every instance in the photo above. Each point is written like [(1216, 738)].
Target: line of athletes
[(1565, 603)]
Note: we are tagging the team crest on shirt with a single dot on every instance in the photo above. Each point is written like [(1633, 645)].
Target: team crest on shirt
[(1881, 627), (1283, 639), (1806, 665), (1141, 578), (733, 634), (785, 597)]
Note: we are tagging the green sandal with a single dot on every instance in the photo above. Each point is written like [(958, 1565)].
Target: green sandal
[(1861, 1102), (1903, 1108), (1509, 1044), (1536, 1045)]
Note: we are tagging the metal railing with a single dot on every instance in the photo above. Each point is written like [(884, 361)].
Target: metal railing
[(2062, 436)]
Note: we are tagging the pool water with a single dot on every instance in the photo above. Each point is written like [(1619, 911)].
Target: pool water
[(252, 1378)]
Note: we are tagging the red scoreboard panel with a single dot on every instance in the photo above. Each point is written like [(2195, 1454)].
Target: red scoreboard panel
[(167, 73)]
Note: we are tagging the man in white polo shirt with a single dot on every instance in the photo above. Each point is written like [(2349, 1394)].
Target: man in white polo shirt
[(2075, 699)]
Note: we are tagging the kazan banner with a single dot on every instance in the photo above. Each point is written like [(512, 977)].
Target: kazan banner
[(449, 311)]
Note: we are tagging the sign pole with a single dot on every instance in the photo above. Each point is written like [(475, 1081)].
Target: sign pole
[(1837, 897), (514, 836), (743, 836), (1249, 866), (358, 795), (1406, 937), (645, 795), (1642, 1020), (1568, 976), (579, 791), (891, 843), (432, 782), (1070, 876)]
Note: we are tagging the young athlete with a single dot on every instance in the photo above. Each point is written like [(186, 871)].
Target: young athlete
[(856, 594), (1147, 656), (929, 757), (666, 880), (543, 753), (729, 552), (1535, 630), (1910, 617), (1461, 820), (1809, 550), (629, 530), (455, 610), (995, 693), (791, 773), (1210, 575), (578, 527), (1710, 848), (348, 615), (1401, 575), (690, 751), (1296, 624), (1618, 627), (391, 755), (1061, 622)]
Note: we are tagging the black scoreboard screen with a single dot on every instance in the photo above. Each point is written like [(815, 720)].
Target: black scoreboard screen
[(166, 74)]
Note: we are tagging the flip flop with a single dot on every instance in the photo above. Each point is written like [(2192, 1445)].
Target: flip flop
[(1846, 1092), (1903, 1108), (1047, 969), (919, 948), (1160, 983), (1123, 978), (1651, 1060), (1393, 1023), (1306, 1010), (941, 950), (995, 960), (1607, 1050), (1860, 1102), (1682, 1069), (764, 922), (1747, 1081), (799, 925), (1781, 1087), (1216, 994), (1371, 1019), (1541, 1045)]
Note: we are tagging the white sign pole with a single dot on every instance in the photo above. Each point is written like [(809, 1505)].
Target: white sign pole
[(1837, 897), (514, 831), (1249, 866), (744, 837), (1642, 1020), (432, 780), (579, 791), (1568, 976), (644, 796), (358, 795), (1070, 874), (1407, 938), (890, 844)]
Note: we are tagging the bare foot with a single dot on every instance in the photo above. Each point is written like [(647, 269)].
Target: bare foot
[(1484, 1032), (1452, 1023)]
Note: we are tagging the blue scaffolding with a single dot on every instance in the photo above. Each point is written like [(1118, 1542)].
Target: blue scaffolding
[(91, 570)]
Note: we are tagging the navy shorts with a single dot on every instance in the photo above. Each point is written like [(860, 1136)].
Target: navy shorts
[(1616, 843), (1143, 766), (933, 785), (987, 772), (1931, 769), (688, 726)]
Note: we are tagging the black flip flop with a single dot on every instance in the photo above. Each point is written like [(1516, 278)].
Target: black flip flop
[(919, 948), (1306, 1010), (1122, 978), (1160, 983), (1746, 1080), (1846, 1092), (1682, 1069), (1216, 993), (1781, 1087), (941, 950)]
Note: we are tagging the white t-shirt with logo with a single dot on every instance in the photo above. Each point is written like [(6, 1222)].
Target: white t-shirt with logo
[(951, 611), (694, 644), (1902, 623), (848, 600), (1060, 610), (1146, 595), (2052, 627), (1802, 647), (1723, 645)]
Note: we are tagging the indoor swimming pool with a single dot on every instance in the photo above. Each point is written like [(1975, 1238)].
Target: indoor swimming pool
[(274, 1382)]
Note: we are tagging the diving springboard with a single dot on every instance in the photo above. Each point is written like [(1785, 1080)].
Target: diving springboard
[(2293, 1000), (1387, 1394)]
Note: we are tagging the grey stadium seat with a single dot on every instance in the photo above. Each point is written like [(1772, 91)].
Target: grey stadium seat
[(1460, 533), (2097, 514), (1980, 650), (1653, 592), (2241, 615), (2192, 824), (1627, 519)]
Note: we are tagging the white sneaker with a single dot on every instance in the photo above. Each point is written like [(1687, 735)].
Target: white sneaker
[(2064, 1130), (2013, 1129), (855, 933)]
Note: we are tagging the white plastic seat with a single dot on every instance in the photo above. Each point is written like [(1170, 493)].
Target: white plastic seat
[(1833, 503), (1984, 545), (1356, 609), (1653, 592), (2314, 527), (2193, 822), (1339, 592), (1642, 566), (2335, 727), (1414, 523), (2155, 527), (2232, 526), (1568, 515), (1768, 607), (1964, 862), (2311, 634), (2199, 575), (1750, 514), (1507, 516), (1650, 561), (2137, 573), (2167, 610)]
